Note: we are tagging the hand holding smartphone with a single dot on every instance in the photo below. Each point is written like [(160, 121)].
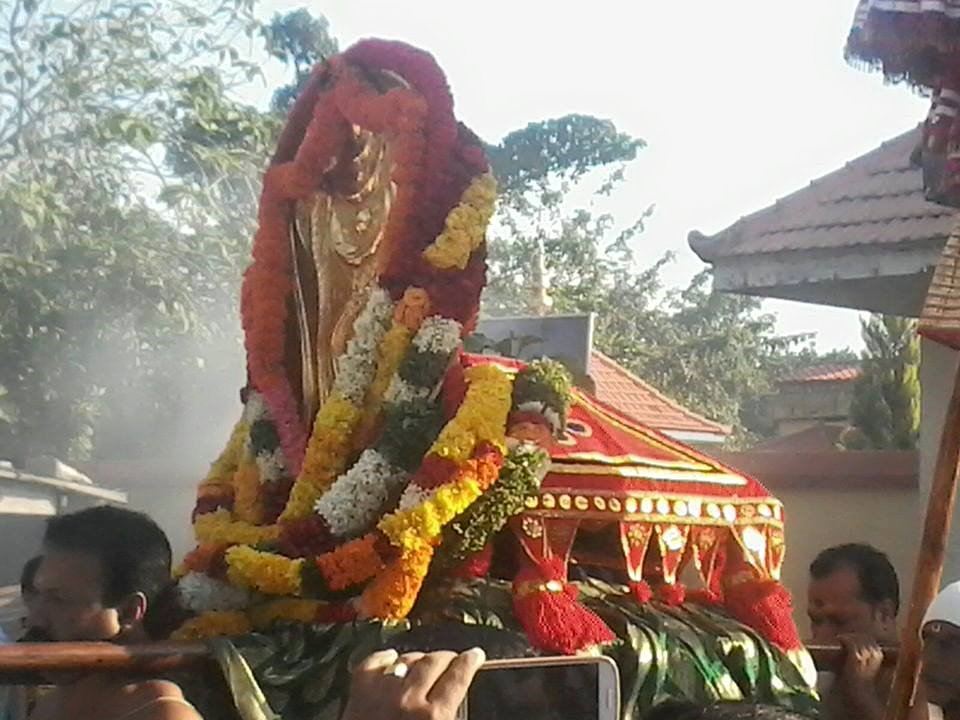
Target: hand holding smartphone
[(546, 688)]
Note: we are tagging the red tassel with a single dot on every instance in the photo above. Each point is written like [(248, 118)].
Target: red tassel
[(672, 594), (765, 606), (547, 608), (706, 597), (642, 591)]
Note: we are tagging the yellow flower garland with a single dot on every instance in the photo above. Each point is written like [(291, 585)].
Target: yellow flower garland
[(222, 469), (219, 528), (482, 417), (326, 455), (247, 505), (219, 623), (292, 609), (391, 352), (465, 226), (265, 572), (419, 526)]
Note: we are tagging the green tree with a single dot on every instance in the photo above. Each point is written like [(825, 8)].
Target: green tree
[(717, 354), (885, 412), (129, 177)]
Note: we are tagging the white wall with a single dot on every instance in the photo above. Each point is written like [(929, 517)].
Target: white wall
[(937, 371), (886, 518)]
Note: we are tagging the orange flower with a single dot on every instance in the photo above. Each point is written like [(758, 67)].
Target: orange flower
[(351, 563), (392, 594), (413, 307)]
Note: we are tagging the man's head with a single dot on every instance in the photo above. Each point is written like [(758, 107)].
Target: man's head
[(100, 570), (853, 590), (940, 671), (28, 595)]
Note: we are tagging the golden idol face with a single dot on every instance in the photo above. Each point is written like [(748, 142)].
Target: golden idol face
[(338, 244)]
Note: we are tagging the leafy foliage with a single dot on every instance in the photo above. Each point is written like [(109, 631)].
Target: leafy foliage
[(129, 174), (717, 354), (885, 412)]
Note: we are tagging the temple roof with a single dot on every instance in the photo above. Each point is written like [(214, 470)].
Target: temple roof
[(618, 387), (875, 200)]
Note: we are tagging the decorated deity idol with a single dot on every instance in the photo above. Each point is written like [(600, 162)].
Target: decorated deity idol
[(380, 477)]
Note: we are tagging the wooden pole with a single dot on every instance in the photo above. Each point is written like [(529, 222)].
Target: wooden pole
[(929, 567), (25, 662)]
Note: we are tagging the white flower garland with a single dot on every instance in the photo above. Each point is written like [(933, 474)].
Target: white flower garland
[(271, 465), (201, 593), (358, 363), (401, 391), (438, 335), (357, 498), (414, 496)]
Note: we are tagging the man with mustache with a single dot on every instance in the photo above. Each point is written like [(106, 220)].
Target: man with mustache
[(101, 570)]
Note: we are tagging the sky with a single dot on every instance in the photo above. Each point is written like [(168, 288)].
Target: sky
[(740, 102)]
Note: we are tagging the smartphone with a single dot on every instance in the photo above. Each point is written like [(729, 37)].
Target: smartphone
[(544, 688)]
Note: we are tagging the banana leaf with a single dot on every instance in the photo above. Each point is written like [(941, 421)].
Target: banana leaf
[(688, 653)]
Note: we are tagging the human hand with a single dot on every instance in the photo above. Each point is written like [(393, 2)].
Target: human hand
[(861, 666), (431, 687)]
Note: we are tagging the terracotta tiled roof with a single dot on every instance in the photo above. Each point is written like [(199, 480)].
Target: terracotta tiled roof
[(823, 373), (876, 199), (627, 393)]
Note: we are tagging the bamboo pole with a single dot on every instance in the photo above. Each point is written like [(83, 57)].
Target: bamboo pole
[(929, 567), (29, 663), (25, 662)]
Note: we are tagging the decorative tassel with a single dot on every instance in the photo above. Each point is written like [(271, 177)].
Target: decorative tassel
[(672, 594), (642, 591), (765, 606), (707, 596), (547, 608)]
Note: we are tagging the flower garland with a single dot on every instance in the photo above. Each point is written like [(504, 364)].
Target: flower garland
[(222, 469), (408, 315), (481, 418), (330, 443), (217, 623), (246, 492), (523, 469), (218, 528), (265, 572), (477, 428), (263, 442), (325, 457), (391, 595), (358, 497), (352, 563), (200, 593), (206, 559), (422, 524), (465, 226)]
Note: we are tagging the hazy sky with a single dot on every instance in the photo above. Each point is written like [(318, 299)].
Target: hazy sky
[(740, 102)]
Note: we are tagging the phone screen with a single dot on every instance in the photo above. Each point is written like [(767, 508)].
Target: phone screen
[(558, 692)]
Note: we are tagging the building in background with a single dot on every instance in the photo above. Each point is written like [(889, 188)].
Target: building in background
[(27, 499), (813, 398), (863, 237)]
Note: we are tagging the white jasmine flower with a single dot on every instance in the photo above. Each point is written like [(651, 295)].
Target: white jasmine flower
[(438, 335), (357, 498), (202, 593)]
